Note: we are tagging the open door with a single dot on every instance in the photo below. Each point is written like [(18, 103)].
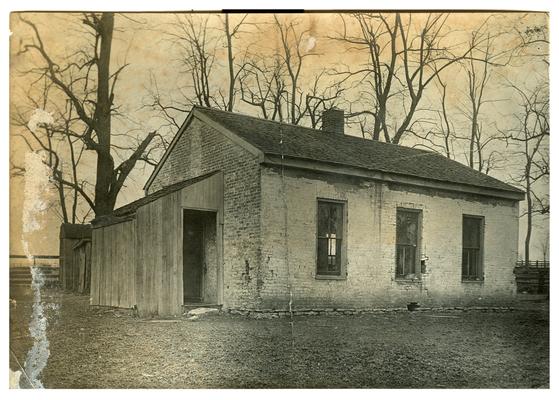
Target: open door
[(199, 257), (193, 257)]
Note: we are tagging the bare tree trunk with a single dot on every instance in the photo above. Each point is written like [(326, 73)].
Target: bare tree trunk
[(446, 122), (230, 60), (529, 219), (105, 164), (95, 114), (61, 197), (472, 140), (74, 179), (54, 165)]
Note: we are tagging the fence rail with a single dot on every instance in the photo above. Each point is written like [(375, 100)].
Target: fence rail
[(33, 257), (33, 260), (20, 269), (532, 277), (533, 264)]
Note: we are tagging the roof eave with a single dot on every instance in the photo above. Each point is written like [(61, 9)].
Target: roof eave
[(128, 211), (199, 114), (168, 150), (108, 220), (229, 134), (343, 169)]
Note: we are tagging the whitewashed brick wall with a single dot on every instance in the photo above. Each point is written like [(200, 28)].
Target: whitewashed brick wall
[(370, 281), (201, 150), (266, 264)]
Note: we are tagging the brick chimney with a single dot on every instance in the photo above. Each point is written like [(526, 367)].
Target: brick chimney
[(333, 121)]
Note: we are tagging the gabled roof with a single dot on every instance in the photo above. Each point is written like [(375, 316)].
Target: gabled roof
[(128, 211), (312, 144), (289, 141)]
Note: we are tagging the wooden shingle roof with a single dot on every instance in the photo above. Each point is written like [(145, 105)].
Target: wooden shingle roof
[(274, 138)]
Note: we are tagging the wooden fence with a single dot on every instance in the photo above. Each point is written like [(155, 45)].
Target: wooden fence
[(533, 264), (20, 269), (532, 277)]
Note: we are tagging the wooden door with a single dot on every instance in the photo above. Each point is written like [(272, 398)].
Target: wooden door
[(193, 258)]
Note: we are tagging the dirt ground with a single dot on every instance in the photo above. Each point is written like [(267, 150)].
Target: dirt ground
[(100, 348)]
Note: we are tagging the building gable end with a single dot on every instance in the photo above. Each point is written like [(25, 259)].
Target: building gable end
[(208, 121)]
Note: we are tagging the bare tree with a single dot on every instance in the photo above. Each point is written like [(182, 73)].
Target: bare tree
[(273, 79), (481, 153), (293, 56), (231, 32), (88, 83), (198, 43), (377, 37), (544, 247), (533, 42), (403, 61), (447, 131), (530, 140), (55, 141), (321, 97), (199, 39), (263, 86)]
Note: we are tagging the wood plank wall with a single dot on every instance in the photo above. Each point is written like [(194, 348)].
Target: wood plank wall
[(113, 265), (159, 270), (159, 245), (82, 267), (67, 264), (140, 263)]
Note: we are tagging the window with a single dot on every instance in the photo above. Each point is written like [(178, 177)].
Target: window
[(472, 248), (407, 244), (330, 232)]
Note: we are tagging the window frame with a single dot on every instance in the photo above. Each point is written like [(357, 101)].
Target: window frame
[(481, 251), (417, 273), (343, 256)]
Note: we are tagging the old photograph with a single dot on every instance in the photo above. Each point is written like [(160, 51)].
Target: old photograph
[(243, 199)]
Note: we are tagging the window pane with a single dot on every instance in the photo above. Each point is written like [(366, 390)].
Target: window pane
[(406, 227), (336, 219), (465, 263), (399, 261), (323, 219), (405, 260), (322, 256), (335, 261), (471, 233), (472, 248), (330, 219), (330, 231), (407, 238), (471, 264)]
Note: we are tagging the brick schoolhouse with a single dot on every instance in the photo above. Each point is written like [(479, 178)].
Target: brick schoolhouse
[(253, 214)]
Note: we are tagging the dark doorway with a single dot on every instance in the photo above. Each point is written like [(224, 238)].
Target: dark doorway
[(195, 235)]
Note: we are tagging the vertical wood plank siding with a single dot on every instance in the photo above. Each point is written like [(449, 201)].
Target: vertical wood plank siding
[(95, 261), (139, 262), (159, 274), (159, 245), (113, 265), (82, 267)]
